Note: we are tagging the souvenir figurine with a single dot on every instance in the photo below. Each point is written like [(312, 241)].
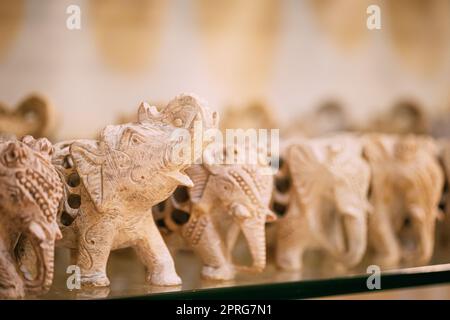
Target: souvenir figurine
[(406, 187), (30, 194), (34, 116), (327, 186), (405, 117), (112, 183), (225, 200)]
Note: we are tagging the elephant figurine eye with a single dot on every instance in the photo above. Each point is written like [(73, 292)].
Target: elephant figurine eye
[(135, 139), (130, 138), (178, 122), (225, 185), (14, 194)]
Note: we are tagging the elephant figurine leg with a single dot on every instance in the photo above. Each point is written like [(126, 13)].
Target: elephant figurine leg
[(289, 247), (154, 254), (11, 283), (93, 251), (73, 255), (384, 243), (289, 255), (205, 240)]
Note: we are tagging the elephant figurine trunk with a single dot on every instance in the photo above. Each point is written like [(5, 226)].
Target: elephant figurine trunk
[(30, 194)]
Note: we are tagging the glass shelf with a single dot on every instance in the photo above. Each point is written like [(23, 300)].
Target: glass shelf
[(127, 280)]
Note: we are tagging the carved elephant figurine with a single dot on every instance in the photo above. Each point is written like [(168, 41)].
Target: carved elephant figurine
[(225, 200), (321, 199), (405, 117), (112, 183), (442, 245), (34, 116), (30, 193), (406, 187)]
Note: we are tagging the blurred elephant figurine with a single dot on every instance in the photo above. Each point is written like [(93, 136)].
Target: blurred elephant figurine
[(34, 116), (322, 201), (112, 183), (30, 195), (442, 245), (405, 117), (225, 200), (406, 187)]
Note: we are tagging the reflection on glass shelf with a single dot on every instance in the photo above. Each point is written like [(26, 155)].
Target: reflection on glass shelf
[(320, 276)]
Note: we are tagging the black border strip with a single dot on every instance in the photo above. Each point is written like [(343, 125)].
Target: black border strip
[(308, 288)]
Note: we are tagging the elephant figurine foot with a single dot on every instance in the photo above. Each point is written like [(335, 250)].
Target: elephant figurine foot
[(224, 272), (94, 280), (164, 278), (12, 293), (289, 262)]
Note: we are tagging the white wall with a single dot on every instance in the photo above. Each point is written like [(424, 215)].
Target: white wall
[(66, 66)]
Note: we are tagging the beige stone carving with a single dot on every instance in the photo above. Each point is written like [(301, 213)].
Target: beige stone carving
[(406, 188), (442, 238), (112, 183), (440, 120), (131, 117), (225, 200), (33, 116), (30, 193), (322, 198)]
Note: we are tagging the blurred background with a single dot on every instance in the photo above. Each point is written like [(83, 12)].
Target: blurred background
[(291, 56), (309, 66)]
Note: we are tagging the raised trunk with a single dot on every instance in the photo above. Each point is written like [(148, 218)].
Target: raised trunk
[(42, 247)]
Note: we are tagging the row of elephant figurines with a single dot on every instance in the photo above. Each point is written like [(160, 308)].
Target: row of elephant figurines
[(373, 198), (97, 195), (94, 196)]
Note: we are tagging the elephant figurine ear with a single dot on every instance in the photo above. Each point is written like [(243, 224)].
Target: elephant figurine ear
[(377, 147), (40, 112), (41, 145), (430, 145), (147, 112), (88, 161), (184, 109), (309, 176)]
